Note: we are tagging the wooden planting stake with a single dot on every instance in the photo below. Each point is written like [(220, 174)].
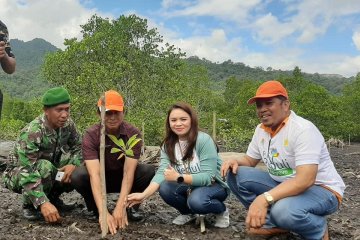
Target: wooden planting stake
[(214, 126), (103, 220), (200, 220)]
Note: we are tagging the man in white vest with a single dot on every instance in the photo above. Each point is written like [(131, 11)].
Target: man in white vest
[(301, 185)]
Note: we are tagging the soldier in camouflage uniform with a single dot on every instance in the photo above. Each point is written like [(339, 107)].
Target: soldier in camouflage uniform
[(7, 58), (48, 144)]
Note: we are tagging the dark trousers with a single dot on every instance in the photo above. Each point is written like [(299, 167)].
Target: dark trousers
[(80, 180)]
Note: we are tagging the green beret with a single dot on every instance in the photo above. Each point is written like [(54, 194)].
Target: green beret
[(55, 96)]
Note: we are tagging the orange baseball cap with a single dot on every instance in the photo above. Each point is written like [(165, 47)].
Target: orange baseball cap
[(113, 101), (269, 89)]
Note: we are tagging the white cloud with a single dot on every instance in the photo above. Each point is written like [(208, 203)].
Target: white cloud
[(348, 66), (174, 3), (333, 64), (288, 58), (308, 19), (270, 30), (313, 18), (216, 47), (356, 40), (52, 20), (281, 58), (226, 9)]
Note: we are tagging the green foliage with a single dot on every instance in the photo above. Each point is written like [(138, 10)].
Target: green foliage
[(350, 110), (334, 116), (10, 128), (16, 114), (122, 147), (125, 55), (234, 138), (27, 82), (220, 72), (316, 104), (236, 119)]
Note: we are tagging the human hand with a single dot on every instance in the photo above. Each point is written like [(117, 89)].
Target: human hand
[(134, 199), (257, 213), (120, 217), (67, 169), (171, 174), (50, 213), (229, 164), (112, 227)]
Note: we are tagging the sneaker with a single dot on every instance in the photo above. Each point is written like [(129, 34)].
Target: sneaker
[(266, 231), (183, 219), (30, 213), (134, 215), (223, 219)]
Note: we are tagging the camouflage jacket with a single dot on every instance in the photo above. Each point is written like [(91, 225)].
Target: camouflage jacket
[(4, 34), (38, 141)]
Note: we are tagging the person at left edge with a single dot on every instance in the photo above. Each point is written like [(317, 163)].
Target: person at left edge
[(123, 174), (48, 144), (7, 57)]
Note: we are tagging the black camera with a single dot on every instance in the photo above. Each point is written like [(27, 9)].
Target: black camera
[(3, 38)]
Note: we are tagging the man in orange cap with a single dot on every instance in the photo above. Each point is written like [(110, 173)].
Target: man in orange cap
[(301, 185), (124, 175)]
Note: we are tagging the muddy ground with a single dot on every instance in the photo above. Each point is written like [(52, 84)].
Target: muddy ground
[(158, 216)]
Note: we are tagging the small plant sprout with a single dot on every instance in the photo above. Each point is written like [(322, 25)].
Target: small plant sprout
[(124, 149)]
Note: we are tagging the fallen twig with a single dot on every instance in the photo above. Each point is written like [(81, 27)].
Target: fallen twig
[(73, 226), (353, 153)]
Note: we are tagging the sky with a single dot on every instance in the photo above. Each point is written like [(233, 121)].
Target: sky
[(319, 36)]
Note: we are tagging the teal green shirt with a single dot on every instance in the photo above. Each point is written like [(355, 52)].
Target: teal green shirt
[(210, 163)]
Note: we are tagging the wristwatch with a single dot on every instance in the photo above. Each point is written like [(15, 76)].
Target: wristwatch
[(180, 179), (269, 198)]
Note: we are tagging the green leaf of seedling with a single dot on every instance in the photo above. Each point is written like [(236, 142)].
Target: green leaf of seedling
[(129, 152), (120, 156), (133, 143), (115, 150), (124, 149), (119, 142), (131, 139)]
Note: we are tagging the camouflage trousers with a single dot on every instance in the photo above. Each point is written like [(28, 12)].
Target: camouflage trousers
[(15, 178)]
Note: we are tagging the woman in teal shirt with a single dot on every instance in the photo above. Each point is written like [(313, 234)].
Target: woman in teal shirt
[(188, 177)]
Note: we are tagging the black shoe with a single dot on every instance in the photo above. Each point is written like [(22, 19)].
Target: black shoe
[(30, 213), (60, 205), (134, 215)]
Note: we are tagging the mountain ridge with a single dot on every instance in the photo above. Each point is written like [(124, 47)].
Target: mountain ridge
[(27, 82)]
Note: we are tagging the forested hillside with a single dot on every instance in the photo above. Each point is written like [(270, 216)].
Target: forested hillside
[(26, 82), (124, 54), (220, 72)]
